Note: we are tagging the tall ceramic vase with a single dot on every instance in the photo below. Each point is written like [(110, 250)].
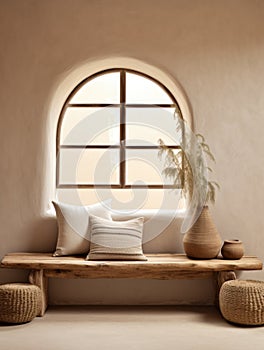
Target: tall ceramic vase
[(202, 241)]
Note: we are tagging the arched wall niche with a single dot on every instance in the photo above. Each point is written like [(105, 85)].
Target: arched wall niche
[(67, 81)]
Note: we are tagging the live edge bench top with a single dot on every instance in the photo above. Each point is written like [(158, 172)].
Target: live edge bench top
[(159, 266)]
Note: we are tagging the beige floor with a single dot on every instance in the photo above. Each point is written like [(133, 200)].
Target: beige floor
[(137, 328)]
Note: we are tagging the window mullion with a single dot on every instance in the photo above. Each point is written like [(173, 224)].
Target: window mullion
[(122, 128)]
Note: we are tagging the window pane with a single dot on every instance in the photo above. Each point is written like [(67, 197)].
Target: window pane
[(102, 89), (125, 199), (90, 126), (150, 124), (150, 167), (142, 90), (133, 199), (89, 166)]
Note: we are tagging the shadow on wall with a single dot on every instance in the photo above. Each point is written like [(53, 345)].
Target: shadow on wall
[(44, 235), (41, 236)]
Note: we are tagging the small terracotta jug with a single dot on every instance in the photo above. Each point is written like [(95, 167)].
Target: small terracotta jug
[(232, 249)]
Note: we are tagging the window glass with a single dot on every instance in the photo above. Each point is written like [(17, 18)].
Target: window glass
[(149, 164), (149, 125), (90, 126), (142, 90), (101, 89), (126, 199), (89, 166)]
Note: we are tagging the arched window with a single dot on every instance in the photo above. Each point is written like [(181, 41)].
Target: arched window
[(108, 131)]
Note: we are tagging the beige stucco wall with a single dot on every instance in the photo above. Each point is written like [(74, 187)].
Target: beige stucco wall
[(214, 49)]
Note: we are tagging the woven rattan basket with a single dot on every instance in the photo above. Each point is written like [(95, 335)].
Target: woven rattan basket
[(19, 302), (242, 302)]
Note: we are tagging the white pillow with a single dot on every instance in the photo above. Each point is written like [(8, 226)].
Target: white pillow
[(116, 240), (73, 227)]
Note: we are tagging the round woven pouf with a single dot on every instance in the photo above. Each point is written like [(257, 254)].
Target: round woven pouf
[(242, 302), (19, 302)]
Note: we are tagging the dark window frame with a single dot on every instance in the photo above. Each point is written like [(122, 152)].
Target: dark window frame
[(122, 145)]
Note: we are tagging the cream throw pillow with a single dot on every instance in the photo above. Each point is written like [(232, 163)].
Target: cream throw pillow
[(116, 240), (73, 227)]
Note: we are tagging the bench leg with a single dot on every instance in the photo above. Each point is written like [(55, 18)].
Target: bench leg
[(37, 278), (221, 278)]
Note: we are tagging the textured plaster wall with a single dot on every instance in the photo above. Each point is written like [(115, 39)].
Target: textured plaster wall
[(214, 49)]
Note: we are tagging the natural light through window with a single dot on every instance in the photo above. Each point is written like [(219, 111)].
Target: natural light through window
[(107, 138)]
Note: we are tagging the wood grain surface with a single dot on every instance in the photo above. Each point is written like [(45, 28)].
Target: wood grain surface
[(158, 266)]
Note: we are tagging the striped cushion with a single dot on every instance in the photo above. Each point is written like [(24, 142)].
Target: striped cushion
[(116, 240)]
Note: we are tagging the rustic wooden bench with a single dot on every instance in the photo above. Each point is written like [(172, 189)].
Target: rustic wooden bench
[(159, 266)]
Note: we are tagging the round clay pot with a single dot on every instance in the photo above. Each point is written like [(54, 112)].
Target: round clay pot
[(202, 241), (232, 249)]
